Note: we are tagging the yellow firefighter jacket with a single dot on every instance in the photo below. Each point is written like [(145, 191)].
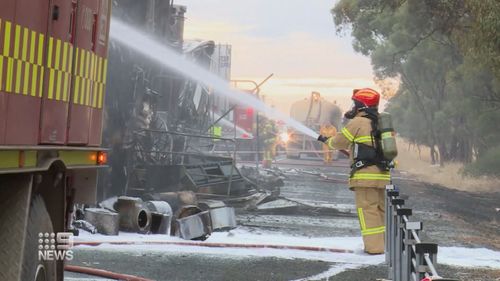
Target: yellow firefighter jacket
[(358, 130), (268, 134)]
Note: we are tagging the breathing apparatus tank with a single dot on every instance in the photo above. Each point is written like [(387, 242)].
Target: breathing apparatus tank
[(387, 136)]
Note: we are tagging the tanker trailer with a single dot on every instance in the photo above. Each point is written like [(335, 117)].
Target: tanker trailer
[(314, 112)]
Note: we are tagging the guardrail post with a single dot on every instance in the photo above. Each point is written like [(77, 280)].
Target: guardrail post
[(399, 261), (422, 249), (389, 190), (409, 242), (395, 245), (390, 231)]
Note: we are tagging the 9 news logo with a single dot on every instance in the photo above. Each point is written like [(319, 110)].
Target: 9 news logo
[(52, 246)]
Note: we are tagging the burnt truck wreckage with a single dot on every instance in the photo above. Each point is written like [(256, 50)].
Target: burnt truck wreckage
[(158, 126)]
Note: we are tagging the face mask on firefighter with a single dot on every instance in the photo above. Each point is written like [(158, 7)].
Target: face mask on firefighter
[(352, 112)]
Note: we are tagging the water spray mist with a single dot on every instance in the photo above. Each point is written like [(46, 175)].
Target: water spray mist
[(149, 47)]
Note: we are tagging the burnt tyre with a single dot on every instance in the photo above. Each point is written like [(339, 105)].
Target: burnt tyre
[(38, 222)]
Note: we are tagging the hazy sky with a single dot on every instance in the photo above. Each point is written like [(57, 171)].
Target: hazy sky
[(294, 39)]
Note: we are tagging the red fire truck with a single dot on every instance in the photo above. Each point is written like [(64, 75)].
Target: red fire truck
[(52, 84)]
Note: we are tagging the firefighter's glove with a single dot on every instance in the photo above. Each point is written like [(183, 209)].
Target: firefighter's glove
[(322, 138)]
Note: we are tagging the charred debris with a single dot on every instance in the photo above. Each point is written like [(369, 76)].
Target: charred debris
[(164, 176)]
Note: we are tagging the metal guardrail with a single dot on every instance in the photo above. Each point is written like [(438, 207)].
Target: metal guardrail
[(408, 258)]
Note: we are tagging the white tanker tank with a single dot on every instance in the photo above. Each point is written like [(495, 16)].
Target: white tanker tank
[(313, 112)]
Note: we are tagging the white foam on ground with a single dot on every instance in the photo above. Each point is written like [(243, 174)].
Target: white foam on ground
[(469, 257), (334, 270), (240, 236)]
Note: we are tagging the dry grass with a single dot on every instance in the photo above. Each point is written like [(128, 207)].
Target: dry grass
[(420, 166)]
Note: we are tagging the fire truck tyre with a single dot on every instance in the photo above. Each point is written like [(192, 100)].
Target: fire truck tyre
[(38, 222)]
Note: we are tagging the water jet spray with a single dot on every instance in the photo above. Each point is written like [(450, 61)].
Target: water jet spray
[(147, 46)]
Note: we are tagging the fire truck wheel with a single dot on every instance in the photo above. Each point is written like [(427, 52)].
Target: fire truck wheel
[(38, 222)]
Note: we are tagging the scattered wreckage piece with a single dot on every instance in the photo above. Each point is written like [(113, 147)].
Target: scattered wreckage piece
[(201, 173), (134, 217), (85, 225), (106, 222), (208, 176), (290, 207), (174, 199), (109, 203), (248, 201), (267, 179), (160, 223), (192, 223), (161, 216), (191, 219), (160, 207), (223, 218)]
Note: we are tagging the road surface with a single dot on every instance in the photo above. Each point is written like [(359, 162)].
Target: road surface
[(318, 211)]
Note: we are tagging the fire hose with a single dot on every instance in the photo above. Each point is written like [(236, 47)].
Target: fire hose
[(289, 163), (103, 273), (217, 245)]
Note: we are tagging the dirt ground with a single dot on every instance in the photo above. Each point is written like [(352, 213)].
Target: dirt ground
[(415, 161), (473, 215), (452, 200)]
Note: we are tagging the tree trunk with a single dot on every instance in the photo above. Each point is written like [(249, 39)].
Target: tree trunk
[(443, 156), (433, 155)]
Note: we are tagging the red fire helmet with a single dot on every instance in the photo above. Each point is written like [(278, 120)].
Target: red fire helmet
[(366, 96)]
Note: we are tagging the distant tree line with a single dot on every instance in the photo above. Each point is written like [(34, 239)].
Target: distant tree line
[(446, 54)]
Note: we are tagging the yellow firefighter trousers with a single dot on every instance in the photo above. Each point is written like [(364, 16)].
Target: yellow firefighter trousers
[(268, 156), (370, 205), (327, 154)]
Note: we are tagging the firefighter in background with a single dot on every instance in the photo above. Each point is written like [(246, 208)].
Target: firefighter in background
[(268, 136), (216, 131), (327, 130), (369, 171)]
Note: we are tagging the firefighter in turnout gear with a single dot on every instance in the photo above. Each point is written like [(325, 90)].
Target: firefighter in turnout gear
[(267, 134), (327, 130), (369, 169)]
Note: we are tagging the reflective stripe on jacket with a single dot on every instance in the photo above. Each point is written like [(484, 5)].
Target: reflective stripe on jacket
[(358, 130)]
